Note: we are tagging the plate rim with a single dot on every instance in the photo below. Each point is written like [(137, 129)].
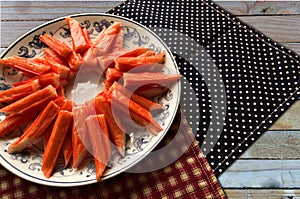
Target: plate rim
[(16, 171)]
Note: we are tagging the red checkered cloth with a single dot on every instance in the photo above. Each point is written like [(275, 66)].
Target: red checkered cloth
[(190, 176)]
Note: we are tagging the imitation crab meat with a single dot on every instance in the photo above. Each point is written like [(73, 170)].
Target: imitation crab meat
[(96, 126)]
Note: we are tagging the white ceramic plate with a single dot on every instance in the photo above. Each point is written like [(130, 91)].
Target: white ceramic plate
[(27, 164)]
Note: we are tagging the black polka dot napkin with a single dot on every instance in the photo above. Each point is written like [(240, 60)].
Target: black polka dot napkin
[(237, 81)]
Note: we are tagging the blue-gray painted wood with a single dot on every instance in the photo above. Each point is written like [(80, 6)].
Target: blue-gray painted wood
[(262, 174)]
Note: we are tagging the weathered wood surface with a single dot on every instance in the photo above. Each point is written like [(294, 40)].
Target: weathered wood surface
[(27, 15), (274, 160), (290, 120), (47, 10), (275, 145), (262, 174), (262, 193), (261, 7), (280, 28)]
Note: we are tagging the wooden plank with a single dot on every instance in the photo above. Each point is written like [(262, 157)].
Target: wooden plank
[(261, 7), (45, 10), (290, 119), (18, 28), (36, 9), (275, 145), (293, 46), (278, 28), (21, 27), (262, 174), (262, 193)]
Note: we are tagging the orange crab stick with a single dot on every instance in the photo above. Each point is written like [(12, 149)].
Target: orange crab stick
[(117, 133), (58, 46), (15, 120), (135, 52), (19, 92), (58, 134), (137, 109), (79, 150), (144, 78), (117, 43), (50, 79), (81, 113), (75, 60), (112, 74), (44, 80), (127, 63), (98, 133), (62, 70), (51, 54), (106, 61), (137, 121), (106, 40), (47, 133), (29, 67), (67, 105), (67, 145), (87, 36), (146, 103), (37, 98), (36, 129), (80, 44), (151, 90)]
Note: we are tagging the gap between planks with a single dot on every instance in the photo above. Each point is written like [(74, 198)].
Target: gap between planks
[(262, 193)]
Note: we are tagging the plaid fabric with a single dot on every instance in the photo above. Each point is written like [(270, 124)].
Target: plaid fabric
[(188, 177)]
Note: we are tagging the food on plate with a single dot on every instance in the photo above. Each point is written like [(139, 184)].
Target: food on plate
[(96, 126)]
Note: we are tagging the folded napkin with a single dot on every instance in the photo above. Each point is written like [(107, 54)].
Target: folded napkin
[(237, 81), (190, 176)]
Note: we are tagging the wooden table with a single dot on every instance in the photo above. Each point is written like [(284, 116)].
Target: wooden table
[(268, 169)]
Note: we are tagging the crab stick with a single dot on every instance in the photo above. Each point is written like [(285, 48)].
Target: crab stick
[(62, 70), (128, 63), (16, 93), (80, 44), (146, 103), (79, 149), (67, 105), (67, 145), (87, 36), (15, 120), (112, 74), (51, 54), (75, 60), (80, 113), (116, 131), (144, 78), (36, 129), (151, 90), (47, 133), (58, 134), (46, 79), (141, 115), (67, 148), (98, 133), (60, 47), (29, 67), (38, 98)]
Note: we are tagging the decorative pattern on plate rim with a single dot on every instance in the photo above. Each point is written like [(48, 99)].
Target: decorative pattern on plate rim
[(31, 158)]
